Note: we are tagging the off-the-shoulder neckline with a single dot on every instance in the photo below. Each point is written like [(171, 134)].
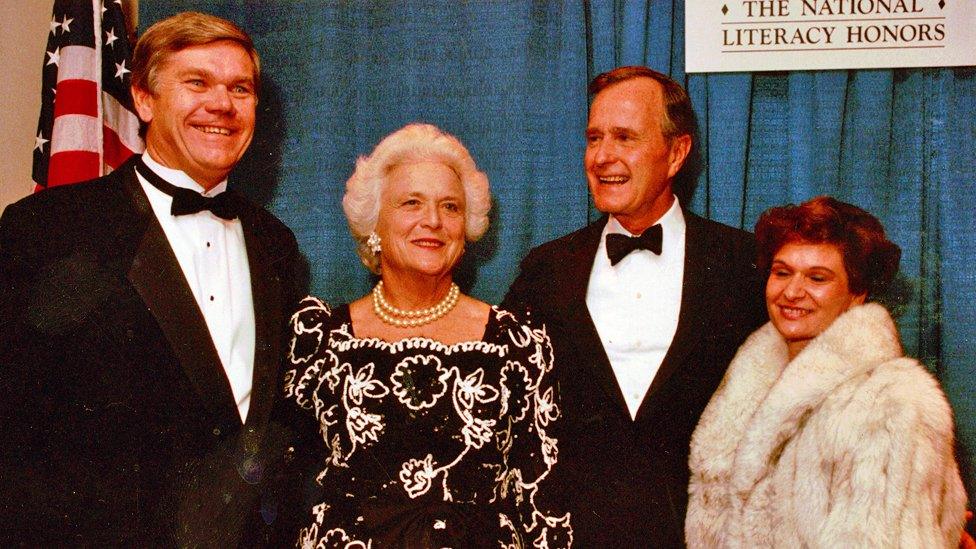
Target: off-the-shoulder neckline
[(341, 315)]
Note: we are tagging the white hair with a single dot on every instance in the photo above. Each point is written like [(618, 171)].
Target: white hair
[(412, 143)]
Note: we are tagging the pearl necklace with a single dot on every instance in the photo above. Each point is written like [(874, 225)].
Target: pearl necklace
[(402, 318)]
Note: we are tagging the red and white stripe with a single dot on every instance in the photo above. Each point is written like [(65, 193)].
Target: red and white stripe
[(93, 134)]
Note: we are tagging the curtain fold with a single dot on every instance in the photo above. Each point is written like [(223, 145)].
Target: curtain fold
[(509, 77)]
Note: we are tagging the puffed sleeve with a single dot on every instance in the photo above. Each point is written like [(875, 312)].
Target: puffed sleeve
[(311, 380), (530, 410)]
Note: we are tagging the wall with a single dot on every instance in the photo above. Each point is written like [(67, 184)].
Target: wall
[(24, 30), (24, 27)]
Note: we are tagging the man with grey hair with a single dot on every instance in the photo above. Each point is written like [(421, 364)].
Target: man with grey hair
[(141, 337), (645, 308)]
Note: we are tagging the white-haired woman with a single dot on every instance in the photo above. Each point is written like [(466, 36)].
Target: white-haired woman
[(432, 407)]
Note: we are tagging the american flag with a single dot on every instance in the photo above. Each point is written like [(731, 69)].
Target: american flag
[(87, 125)]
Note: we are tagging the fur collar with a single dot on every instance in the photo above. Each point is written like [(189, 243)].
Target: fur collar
[(764, 397)]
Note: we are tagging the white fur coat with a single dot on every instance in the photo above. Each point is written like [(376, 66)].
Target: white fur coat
[(848, 445)]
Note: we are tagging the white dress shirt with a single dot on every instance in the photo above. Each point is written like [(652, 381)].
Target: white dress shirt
[(635, 304), (212, 255)]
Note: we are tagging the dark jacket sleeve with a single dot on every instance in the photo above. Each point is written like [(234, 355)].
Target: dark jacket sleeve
[(27, 388)]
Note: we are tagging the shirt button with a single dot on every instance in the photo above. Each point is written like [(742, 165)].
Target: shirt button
[(639, 295), (208, 244), (211, 298)]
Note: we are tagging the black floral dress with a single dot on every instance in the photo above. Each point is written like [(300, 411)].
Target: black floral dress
[(424, 444)]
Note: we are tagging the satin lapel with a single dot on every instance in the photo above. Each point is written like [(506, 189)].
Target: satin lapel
[(573, 277), (156, 275), (694, 300), (268, 318)]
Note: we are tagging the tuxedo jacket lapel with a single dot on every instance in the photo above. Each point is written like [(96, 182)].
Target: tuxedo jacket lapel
[(571, 297), (156, 275), (266, 289), (696, 284), (699, 277)]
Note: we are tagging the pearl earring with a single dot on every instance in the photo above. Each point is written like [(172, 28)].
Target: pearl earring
[(373, 243)]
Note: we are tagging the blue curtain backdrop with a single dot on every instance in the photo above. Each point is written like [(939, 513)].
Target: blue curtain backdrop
[(508, 77)]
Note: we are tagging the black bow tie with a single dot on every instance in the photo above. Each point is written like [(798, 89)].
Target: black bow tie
[(619, 245), (225, 205)]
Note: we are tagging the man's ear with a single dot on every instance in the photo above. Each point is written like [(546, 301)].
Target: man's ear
[(859, 299), (680, 147), (144, 103)]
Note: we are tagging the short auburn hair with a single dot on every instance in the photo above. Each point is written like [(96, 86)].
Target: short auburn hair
[(870, 259), (181, 31)]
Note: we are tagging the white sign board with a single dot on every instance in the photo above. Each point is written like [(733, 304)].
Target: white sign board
[(775, 35)]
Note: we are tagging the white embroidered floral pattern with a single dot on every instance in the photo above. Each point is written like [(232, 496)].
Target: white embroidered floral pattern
[(515, 400), (364, 426), (427, 431), (473, 390), (545, 406), (417, 475), (362, 384), (419, 381)]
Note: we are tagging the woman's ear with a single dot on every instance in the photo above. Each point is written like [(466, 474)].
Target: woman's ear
[(858, 300)]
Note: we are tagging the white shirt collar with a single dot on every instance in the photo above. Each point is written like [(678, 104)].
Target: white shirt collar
[(671, 222), (180, 178), (635, 305)]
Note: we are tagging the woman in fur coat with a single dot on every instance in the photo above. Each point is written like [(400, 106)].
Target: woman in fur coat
[(823, 434)]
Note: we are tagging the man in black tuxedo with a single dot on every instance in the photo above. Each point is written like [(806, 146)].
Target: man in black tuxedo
[(643, 328), (142, 322)]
